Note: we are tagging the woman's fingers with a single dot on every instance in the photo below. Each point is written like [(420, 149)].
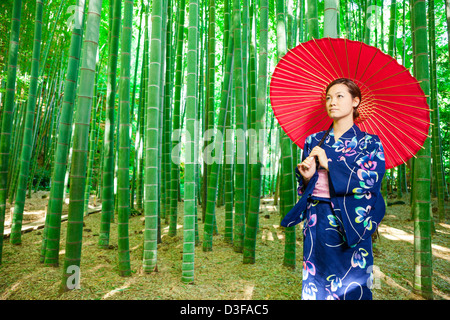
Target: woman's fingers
[(316, 151), (313, 151), (307, 162)]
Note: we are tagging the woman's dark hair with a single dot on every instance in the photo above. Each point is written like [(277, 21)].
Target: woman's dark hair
[(352, 88)]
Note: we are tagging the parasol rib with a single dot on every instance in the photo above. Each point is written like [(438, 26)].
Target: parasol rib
[(303, 69), (295, 141), (346, 55), (386, 151), (357, 63), (297, 75), (310, 64), (290, 131), (296, 110), (296, 96), (290, 88), (295, 102), (329, 63), (317, 61), (396, 86), (303, 84), (404, 104), (296, 119), (423, 133), (334, 52), (406, 95), (405, 114), (391, 76), (401, 143), (367, 80), (397, 128), (368, 128), (367, 67)]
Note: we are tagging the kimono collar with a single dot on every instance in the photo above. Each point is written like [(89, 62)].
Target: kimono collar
[(349, 134)]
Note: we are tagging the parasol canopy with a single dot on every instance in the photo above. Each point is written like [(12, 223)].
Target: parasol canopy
[(393, 105)]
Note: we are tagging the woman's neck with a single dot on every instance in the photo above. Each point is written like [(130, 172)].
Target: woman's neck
[(341, 126)]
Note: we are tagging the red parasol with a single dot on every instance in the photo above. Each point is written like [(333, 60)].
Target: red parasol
[(393, 105)]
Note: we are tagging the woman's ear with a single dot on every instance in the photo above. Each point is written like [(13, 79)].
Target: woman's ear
[(356, 102)]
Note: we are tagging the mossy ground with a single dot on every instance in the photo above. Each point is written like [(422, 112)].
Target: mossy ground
[(219, 274)]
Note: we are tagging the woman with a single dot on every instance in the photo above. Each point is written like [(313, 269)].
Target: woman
[(341, 202)]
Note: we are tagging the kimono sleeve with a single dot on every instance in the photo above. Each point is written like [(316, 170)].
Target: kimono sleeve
[(301, 186), (306, 151), (297, 213), (298, 176), (356, 183)]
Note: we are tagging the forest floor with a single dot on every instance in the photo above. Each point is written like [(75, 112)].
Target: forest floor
[(219, 274)]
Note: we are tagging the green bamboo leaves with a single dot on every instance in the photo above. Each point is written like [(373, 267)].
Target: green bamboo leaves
[(78, 170)]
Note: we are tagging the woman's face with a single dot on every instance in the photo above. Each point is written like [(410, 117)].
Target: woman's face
[(339, 102)]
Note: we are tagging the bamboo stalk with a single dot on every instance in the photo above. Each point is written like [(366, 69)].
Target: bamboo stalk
[(190, 201), (72, 260), (7, 117), (151, 176), (16, 228)]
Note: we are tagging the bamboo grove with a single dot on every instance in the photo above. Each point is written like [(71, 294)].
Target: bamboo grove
[(146, 104)]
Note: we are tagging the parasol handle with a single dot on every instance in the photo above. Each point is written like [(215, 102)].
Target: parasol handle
[(320, 143)]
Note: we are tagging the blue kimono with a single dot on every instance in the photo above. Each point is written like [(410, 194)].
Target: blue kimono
[(337, 247)]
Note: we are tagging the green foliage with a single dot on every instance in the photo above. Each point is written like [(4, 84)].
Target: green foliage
[(61, 48)]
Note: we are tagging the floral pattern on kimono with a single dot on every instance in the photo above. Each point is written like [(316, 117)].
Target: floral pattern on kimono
[(337, 250)]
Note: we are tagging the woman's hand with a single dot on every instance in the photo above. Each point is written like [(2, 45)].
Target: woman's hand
[(307, 168), (321, 155)]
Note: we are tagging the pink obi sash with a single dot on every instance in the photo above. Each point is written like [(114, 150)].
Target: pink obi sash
[(321, 188)]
